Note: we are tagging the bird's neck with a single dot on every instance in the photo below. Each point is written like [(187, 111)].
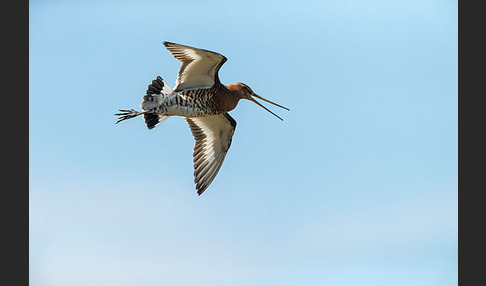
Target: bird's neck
[(232, 95)]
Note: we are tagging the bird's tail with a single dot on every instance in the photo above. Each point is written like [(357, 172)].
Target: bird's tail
[(155, 95), (152, 120)]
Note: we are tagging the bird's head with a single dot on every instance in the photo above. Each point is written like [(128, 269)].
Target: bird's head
[(245, 92)]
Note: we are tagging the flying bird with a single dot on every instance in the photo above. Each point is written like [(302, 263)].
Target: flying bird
[(203, 101)]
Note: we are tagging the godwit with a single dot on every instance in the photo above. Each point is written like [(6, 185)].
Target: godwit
[(204, 103)]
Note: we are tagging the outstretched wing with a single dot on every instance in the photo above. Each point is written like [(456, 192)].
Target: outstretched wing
[(199, 67), (213, 135)]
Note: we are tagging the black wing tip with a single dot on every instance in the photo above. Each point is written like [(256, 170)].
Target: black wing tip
[(200, 191), (202, 186), (168, 44)]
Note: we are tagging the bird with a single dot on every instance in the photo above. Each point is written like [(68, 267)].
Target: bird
[(203, 101)]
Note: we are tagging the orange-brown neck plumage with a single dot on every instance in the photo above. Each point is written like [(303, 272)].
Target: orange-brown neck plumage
[(233, 93)]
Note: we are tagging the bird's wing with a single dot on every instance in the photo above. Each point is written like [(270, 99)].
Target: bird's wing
[(213, 135), (199, 67)]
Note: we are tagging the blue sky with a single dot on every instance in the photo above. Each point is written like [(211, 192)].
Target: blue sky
[(357, 186)]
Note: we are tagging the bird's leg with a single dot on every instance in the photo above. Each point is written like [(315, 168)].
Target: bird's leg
[(127, 114)]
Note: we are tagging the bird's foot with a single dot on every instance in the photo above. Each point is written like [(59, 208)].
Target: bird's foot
[(127, 114)]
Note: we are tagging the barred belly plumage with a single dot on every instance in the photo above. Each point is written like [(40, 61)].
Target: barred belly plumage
[(188, 105)]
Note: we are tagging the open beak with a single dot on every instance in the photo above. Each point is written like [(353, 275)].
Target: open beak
[(264, 99)]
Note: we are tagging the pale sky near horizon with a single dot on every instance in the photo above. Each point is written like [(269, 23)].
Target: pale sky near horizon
[(357, 186)]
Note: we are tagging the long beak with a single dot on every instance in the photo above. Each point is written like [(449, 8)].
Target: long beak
[(257, 96)]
